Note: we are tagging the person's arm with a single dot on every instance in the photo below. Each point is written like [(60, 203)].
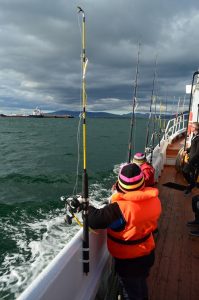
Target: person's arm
[(146, 174), (108, 216)]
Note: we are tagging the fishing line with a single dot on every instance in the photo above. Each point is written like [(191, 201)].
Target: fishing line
[(134, 134), (80, 117), (158, 130), (172, 115), (75, 192), (183, 105), (78, 136), (165, 115), (71, 209), (78, 155), (160, 123), (79, 25), (155, 113), (85, 199)]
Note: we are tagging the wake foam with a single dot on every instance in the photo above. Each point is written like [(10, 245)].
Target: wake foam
[(38, 241)]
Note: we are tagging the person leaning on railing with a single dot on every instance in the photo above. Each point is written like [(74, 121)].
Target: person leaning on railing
[(130, 219), (190, 169), (146, 168)]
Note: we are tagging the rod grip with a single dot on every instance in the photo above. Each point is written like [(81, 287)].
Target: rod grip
[(85, 185)]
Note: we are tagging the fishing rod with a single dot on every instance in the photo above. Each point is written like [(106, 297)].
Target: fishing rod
[(85, 200), (164, 116), (183, 105), (177, 114), (78, 203), (190, 102), (134, 106), (154, 134), (173, 105), (160, 122), (149, 149)]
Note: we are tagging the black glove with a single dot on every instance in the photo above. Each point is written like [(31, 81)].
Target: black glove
[(76, 205)]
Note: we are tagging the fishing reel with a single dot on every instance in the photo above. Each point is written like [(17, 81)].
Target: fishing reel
[(148, 150), (72, 205)]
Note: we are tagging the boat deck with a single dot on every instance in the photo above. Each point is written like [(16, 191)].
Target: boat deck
[(172, 149), (175, 274)]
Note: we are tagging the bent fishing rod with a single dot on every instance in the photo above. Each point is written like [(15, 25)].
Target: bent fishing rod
[(133, 108), (190, 102)]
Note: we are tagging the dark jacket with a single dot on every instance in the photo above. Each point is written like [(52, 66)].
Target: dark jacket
[(193, 150)]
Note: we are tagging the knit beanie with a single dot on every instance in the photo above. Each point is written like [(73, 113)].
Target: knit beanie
[(130, 178), (139, 158)]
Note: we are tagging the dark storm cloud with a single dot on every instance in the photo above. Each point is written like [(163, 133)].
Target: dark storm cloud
[(41, 46)]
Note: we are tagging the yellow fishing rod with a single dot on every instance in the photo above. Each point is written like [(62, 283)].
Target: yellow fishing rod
[(77, 203), (85, 200)]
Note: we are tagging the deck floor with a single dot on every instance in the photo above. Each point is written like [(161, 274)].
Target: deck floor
[(175, 274)]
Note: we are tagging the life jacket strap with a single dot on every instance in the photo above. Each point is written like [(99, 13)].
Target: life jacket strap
[(129, 242)]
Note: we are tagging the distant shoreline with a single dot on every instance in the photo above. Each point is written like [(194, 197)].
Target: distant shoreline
[(37, 116)]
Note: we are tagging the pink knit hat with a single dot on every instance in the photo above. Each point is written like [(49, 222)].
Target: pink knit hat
[(139, 158), (130, 179)]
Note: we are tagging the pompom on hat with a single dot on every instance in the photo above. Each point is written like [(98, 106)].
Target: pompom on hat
[(130, 179), (139, 158)]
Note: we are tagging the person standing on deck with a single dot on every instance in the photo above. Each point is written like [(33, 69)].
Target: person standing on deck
[(147, 169), (130, 219), (195, 222), (190, 170)]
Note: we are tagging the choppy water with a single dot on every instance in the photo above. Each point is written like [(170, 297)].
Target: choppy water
[(38, 165)]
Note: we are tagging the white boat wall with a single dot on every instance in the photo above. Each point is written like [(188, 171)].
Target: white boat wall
[(64, 279)]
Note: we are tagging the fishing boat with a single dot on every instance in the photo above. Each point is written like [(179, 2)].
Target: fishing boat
[(83, 270), (175, 273)]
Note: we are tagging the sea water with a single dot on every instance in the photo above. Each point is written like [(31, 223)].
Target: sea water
[(39, 164)]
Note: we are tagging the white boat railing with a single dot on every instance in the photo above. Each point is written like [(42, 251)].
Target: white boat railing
[(175, 127)]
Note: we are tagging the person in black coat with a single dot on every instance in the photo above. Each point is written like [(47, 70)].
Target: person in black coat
[(190, 170)]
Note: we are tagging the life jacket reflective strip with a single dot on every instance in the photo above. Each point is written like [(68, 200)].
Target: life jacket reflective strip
[(141, 210)]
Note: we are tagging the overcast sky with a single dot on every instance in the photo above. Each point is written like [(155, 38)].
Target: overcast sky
[(41, 47)]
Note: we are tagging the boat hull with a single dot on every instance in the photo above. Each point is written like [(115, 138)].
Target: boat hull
[(64, 279)]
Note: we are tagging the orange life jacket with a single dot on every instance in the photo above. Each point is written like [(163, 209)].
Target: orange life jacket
[(149, 174), (141, 210)]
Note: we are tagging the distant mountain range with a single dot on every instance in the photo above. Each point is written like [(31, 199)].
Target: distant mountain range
[(89, 114), (104, 114)]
